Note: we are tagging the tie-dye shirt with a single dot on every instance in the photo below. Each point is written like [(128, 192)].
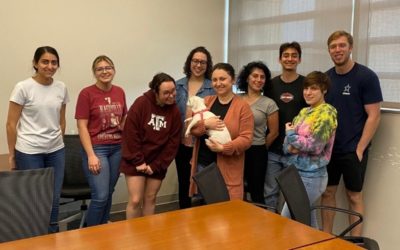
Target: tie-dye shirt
[(313, 135)]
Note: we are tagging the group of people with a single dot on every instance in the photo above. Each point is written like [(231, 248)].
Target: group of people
[(321, 123), (140, 142)]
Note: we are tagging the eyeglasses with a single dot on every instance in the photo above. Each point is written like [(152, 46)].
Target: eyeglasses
[(201, 62), (169, 93), (102, 69)]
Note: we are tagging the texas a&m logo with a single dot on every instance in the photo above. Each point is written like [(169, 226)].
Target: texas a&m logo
[(157, 122)]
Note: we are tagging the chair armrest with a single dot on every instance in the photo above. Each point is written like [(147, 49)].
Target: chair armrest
[(364, 242), (346, 211)]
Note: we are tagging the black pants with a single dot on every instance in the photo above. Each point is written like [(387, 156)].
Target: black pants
[(255, 167), (182, 162)]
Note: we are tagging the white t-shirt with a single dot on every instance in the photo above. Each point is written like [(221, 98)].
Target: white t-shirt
[(38, 129)]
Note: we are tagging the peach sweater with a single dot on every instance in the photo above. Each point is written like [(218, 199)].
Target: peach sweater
[(240, 123)]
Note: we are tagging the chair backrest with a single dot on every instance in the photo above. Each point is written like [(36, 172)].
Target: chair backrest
[(75, 182), (211, 184), (26, 198), (298, 203), (295, 194)]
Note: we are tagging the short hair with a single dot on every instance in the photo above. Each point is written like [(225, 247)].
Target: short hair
[(100, 59), (158, 79), (294, 45), (339, 33), (226, 67), (186, 66), (44, 49), (247, 70), (319, 79)]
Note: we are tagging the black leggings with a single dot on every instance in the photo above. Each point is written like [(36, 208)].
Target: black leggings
[(183, 167), (255, 167)]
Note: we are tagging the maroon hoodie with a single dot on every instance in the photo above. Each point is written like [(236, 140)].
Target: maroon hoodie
[(151, 135)]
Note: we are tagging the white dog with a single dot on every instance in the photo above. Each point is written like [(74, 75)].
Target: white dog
[(201, 112)]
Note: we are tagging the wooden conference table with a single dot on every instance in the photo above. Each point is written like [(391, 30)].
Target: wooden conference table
[(227, 225)]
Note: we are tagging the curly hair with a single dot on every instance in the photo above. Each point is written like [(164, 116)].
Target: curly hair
[(247, 70), (186, 66)]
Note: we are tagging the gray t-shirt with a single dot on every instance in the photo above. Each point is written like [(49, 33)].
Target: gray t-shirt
[(261, 109)]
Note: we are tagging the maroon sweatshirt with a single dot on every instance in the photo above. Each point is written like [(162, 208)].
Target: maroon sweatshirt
[(151, 135)]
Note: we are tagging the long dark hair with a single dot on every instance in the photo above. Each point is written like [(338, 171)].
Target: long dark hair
[(44, 49)]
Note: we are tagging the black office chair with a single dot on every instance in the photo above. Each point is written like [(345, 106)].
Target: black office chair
[(212, 187), (75, 185), (26, 198), (292, 188), (211, 184)]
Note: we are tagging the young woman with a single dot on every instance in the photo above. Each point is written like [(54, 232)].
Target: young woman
[(36, 123), (100, 114), (150, 141), (236, 115), (309, 139), (251, 81), (197, 69)]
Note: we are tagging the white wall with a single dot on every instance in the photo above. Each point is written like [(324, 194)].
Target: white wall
[(142, 37), (381, 187)]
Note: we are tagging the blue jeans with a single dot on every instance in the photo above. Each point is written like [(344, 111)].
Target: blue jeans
[(55, 160), (102, 185), (276, 163), (315, 186)]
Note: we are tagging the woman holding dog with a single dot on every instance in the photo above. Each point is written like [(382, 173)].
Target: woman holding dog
[(197, 82), (251, 81), (236, 115)]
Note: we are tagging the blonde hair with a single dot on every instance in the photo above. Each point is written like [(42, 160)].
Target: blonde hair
[(100, 59), (335, 35)]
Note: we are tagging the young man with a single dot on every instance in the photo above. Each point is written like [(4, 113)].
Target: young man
[(287, 91), (356, 94)]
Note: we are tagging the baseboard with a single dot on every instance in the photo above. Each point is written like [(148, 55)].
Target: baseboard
[(74, 207), (161, 200)]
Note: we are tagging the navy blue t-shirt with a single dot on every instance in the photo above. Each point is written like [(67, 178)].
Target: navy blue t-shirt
[(348, 94)]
